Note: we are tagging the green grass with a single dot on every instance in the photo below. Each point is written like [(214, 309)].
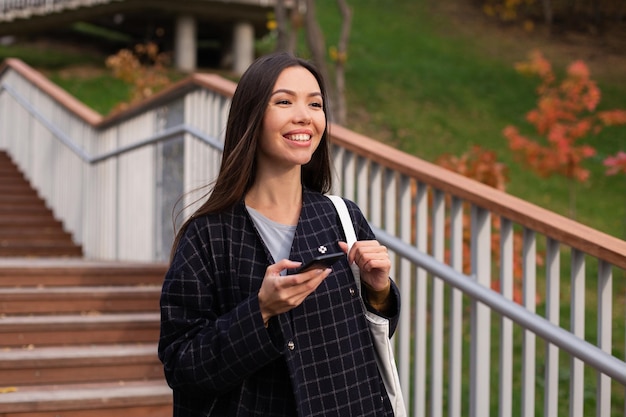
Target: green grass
[(47, 57), (90, 90)]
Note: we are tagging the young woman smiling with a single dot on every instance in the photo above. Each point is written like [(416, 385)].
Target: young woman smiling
[(242, 332)]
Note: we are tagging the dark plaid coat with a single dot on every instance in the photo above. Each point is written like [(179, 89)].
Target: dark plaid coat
[(220, 360)]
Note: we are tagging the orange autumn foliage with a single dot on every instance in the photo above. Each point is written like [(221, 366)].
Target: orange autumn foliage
[(616, 164), (144, 68), (565, 115)]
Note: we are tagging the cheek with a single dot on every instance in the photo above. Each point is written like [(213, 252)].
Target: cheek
[(320, 123)]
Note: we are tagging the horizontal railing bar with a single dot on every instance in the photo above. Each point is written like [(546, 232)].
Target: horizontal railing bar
[(166, 134), (70, 143), (556, 335)]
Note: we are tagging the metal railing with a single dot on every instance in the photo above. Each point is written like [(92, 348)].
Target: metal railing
[(113, 182)]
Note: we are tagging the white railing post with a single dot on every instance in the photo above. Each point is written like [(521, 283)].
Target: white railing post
[(553, 306), (376, 200), (362, 189), (480, 350), (529, 259), (405, 282), (577, 327), (437, 309), (421, 303), (455, 386), (605, 334), (505, 394)]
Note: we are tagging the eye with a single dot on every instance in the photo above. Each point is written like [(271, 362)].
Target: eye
[(283, 102), (317, 104)]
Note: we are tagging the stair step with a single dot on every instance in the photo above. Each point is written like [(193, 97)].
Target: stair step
[(27, 208), (20, 198), (63, 330), (12, 232), (15, 180), (35, 248), (17, 189), (42, 251), (128, 399), (27, 219), (76, 364), (37, 242), (42, 300), (36, 239), (76, 272), (8, 169)]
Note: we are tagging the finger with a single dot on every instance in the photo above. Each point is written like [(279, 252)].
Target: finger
[(281, 265), (368, 245), (366, 253), (376, 264), (343, 246)]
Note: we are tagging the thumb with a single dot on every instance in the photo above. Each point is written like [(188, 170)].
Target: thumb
[(281, 265)]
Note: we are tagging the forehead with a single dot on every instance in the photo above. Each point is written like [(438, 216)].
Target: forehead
[(298, 80)]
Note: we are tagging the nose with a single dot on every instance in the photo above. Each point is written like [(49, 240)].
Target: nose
[(302, 114)]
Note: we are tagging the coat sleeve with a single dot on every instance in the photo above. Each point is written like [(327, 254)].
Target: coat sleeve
[(203, 348)]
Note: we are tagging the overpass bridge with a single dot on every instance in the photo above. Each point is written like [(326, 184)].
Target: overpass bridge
[(232, 26)]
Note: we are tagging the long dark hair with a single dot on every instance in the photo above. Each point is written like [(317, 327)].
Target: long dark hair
[(243, 131)]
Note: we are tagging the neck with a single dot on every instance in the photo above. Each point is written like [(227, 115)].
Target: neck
[(278, 198)]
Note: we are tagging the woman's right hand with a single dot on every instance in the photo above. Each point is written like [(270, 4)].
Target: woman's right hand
[(281, 293)]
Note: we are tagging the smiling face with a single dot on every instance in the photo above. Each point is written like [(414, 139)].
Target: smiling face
[(294, 121)]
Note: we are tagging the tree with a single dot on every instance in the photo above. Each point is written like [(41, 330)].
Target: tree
[(288, 25), (565, 116), (304, 15)]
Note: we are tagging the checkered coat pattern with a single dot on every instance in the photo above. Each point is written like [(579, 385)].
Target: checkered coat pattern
[(220, 360)]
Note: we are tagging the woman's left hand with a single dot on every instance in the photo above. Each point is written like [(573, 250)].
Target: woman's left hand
[(373, 260)]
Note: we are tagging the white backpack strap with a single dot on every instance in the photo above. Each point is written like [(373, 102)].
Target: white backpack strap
[(348, 230), (346, 220)]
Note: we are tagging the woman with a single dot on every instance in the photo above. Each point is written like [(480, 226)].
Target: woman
[(242, 333)]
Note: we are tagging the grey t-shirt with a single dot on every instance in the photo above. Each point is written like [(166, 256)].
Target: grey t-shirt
[(277, 237)]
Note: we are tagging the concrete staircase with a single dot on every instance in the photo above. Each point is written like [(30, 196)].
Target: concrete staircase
[(27, 226), (78, 338)]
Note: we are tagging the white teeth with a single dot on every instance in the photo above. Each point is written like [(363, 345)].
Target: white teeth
[(300, 137)]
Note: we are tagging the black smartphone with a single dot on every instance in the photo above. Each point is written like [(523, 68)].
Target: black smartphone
[(321, 262)]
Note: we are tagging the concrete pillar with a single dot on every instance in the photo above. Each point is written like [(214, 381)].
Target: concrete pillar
[(243, 46), (185, 43)]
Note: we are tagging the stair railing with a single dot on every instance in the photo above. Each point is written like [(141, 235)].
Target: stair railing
[(455, 357)]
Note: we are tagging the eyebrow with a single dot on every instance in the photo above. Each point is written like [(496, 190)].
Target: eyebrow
[(293, 93)]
